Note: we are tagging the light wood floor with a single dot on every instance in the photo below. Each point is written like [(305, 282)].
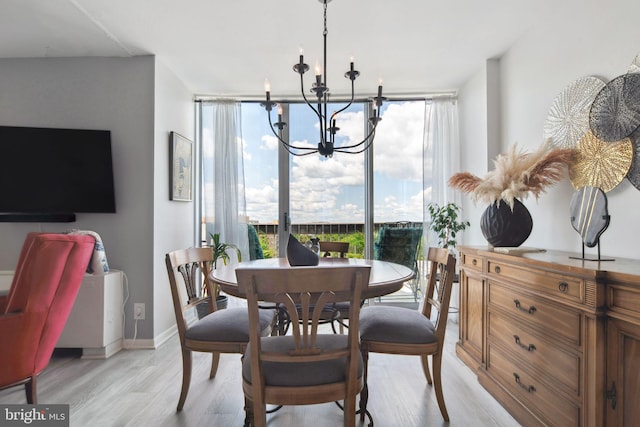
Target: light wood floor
[(141, 387)]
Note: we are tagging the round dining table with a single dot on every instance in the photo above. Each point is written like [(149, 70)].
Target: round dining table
[(385, 277)]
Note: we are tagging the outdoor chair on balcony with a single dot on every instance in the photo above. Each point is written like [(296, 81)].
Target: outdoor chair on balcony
[(255, 249), (399, 242)]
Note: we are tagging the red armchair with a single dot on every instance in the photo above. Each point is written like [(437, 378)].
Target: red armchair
[(33, 314)]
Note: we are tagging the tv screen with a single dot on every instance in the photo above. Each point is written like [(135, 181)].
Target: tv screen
[(55, 171)]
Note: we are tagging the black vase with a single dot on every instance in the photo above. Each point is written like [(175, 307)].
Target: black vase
[(503, 227)]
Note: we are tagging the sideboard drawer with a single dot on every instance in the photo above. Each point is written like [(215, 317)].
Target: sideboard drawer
[(538, 312), (545, 401), (472, 261), (538, 352), (624, 300), (555, 285)]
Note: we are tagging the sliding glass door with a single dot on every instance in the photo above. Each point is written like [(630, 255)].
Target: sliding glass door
[(344, 197)]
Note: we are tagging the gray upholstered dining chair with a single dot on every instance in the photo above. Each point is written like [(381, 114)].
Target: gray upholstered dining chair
[(399, 330), (307, 366), (220, 331), (339, 311)]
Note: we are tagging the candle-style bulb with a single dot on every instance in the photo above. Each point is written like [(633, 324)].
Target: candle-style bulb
[(280, 111), (267, 85), (318, 69)]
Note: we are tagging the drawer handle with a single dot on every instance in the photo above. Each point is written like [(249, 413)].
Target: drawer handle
[(563, 287), (530, 310), (529, 347), (528, 388), (497, 269), (474, 262)]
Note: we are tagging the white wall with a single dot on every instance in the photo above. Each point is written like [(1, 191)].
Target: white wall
[(587, 38), (474, 142), (118, 94), (174, 221)]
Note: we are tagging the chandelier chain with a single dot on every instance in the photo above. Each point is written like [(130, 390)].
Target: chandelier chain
[(324, 33)]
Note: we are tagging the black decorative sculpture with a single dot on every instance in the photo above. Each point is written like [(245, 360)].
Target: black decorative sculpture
[(299, 255), (589, 216)]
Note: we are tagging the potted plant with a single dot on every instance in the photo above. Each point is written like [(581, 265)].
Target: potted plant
[(220, 252), (445, 223), (506, 221)]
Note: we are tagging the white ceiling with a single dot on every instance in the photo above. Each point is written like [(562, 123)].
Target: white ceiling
[(228, 48)]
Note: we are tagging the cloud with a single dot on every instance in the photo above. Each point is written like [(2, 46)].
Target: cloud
[(398, 142), (332, 189), (246, 155), (262, 203), (269, 142)]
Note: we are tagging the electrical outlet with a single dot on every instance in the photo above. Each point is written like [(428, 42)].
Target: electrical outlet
[(138, 311)]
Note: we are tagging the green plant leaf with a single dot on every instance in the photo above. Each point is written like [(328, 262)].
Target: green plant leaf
[(445, 223)]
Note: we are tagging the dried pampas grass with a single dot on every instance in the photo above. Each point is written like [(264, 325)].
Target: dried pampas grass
[(516, 174)]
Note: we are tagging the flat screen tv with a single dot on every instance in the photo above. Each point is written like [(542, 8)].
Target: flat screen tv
[(48, 175)]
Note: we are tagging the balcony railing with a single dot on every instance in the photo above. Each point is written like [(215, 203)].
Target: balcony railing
[(341, 232)]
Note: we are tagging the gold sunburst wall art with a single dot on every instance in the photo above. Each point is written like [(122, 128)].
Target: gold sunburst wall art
[(600, 164)]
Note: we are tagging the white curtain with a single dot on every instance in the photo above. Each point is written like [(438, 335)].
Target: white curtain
[(441, 152), (441, 139), (224, 200)]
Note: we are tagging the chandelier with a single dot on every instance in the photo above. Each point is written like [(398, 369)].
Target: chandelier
[(326, 147)]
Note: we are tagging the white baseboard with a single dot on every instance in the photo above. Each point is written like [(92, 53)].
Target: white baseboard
[(139, 344), (164, 336), (150, 344), (102, 352)]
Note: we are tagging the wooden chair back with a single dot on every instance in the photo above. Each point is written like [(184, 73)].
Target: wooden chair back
[(341, 248), (392, 331), (188, 271), (441, 267), (304, 291)]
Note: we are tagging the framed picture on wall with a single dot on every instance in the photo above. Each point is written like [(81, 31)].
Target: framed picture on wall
[(181, 164)]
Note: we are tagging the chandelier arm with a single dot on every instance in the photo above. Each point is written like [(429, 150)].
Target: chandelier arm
[(293, 153), (273, 129), (335, 114), (370, 137), (303, 154), (305, 97), (285, 143), (362, 150)]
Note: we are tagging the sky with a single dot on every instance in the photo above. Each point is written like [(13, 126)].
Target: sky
[(332, 189)]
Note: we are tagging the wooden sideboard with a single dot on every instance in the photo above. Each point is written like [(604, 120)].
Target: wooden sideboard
[(556, 340)]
